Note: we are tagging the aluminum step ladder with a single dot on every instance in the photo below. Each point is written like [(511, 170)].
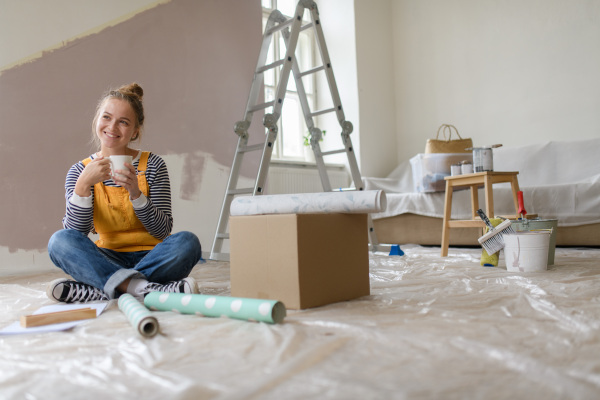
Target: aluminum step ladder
[(290, 29)]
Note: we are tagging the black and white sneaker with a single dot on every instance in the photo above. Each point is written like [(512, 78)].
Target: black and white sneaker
[(187, 285), (68, 291)]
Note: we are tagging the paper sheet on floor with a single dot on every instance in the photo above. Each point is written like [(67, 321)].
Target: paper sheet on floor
[(16, 328)]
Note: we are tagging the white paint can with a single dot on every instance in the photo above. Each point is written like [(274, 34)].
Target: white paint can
[(455, 169), (483, 159), (466, 168), (526, 251)]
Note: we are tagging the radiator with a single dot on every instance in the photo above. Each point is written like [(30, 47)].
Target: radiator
[(303, 179)]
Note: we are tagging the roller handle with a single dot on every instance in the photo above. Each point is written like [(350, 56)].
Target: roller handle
[(521, 204), (485, 219)]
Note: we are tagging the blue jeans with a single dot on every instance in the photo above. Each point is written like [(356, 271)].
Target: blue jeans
[(76, 254)]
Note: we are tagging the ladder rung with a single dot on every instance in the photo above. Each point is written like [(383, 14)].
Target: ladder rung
[(254, 147), (322, 112), (328, 153), (262, 106), (270, 66), (312, 71), (280, 27), (307, 26), (241, 191)]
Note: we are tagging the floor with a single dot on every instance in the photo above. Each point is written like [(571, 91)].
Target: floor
[(432, 328)]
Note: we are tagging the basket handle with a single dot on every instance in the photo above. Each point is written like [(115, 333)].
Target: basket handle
[(447, 127)]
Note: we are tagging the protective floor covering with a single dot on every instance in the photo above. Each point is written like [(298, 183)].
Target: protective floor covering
[(432, 328)]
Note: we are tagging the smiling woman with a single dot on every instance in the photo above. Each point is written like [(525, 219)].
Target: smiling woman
[(119, 114), (130, 209), (119, 120)]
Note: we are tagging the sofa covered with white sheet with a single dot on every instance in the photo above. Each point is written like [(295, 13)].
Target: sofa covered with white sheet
[(559, 180)]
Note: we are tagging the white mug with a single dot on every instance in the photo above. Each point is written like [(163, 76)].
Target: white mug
[(118, 162)]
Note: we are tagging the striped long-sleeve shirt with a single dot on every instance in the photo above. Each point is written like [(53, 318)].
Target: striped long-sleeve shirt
[(153, 211)]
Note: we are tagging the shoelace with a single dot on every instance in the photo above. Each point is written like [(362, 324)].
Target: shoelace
[(81, 292), (171, 287)]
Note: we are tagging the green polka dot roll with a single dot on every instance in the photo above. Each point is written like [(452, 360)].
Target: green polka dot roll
[(270, 311), (138, 315)]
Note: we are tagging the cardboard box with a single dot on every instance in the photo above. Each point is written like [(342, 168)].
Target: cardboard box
[(303, 260)]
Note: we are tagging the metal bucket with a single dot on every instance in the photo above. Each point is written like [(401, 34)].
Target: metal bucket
[(537, 224), (483, 159)]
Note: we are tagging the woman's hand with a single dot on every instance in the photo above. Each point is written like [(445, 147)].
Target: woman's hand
[(98, 170), (127, 178)]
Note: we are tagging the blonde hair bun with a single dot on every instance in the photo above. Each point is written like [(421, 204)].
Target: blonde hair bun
[(132, 88)]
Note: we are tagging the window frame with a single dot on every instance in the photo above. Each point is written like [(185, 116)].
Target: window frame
[(277, 51)]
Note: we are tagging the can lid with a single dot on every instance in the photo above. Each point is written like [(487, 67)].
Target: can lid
[(488, 147)]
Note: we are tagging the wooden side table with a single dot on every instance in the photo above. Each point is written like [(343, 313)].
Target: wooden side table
[(475, 181)]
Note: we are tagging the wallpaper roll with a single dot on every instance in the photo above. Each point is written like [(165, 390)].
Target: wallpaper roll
[(138, 315), (270, 311), (367, 201)]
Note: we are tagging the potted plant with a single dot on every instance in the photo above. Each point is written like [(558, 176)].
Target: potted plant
[(309, 154), (308, 136)]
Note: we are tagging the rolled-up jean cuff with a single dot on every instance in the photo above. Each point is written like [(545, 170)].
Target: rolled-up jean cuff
[(110, 288)]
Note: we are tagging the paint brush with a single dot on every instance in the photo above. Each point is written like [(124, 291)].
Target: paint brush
[(492, 241)]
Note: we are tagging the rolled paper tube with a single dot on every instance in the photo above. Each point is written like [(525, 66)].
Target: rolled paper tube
[(270, 311), (367, 201), (138, 315)]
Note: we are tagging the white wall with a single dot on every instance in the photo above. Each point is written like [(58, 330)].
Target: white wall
[(513, 72), (337, 20), (376, 82), (359, 39)]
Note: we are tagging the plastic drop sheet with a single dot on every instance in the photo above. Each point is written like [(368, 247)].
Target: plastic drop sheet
[(432, 327)]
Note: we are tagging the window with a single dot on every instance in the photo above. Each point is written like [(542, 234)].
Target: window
[(292, 128)]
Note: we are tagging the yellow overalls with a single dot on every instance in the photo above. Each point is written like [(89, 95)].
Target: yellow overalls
[(114, 217)]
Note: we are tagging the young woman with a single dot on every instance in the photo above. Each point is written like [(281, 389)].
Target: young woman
[(130, 209)]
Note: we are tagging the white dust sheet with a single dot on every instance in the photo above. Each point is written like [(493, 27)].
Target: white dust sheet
[(443, 328)]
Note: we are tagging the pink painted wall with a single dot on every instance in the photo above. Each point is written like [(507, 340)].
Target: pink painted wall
[(195, 61)]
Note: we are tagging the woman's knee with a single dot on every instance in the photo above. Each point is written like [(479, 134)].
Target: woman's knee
[(63, 240), (58, 239), (189, 241), (186, 237)]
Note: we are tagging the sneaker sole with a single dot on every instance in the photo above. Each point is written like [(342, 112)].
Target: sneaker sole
[(192, 282)]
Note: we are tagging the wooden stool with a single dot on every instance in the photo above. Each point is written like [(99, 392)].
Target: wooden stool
[(474, 181)]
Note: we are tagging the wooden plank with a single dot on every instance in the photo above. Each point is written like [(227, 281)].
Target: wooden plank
[(466, 224), (28, 321)]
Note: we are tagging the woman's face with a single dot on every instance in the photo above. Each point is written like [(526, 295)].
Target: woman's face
[(115, 126)]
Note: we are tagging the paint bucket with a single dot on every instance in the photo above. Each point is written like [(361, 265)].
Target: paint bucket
[(466, 168), (537, 224), (455, 169), (483, 159), (526, 251)]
